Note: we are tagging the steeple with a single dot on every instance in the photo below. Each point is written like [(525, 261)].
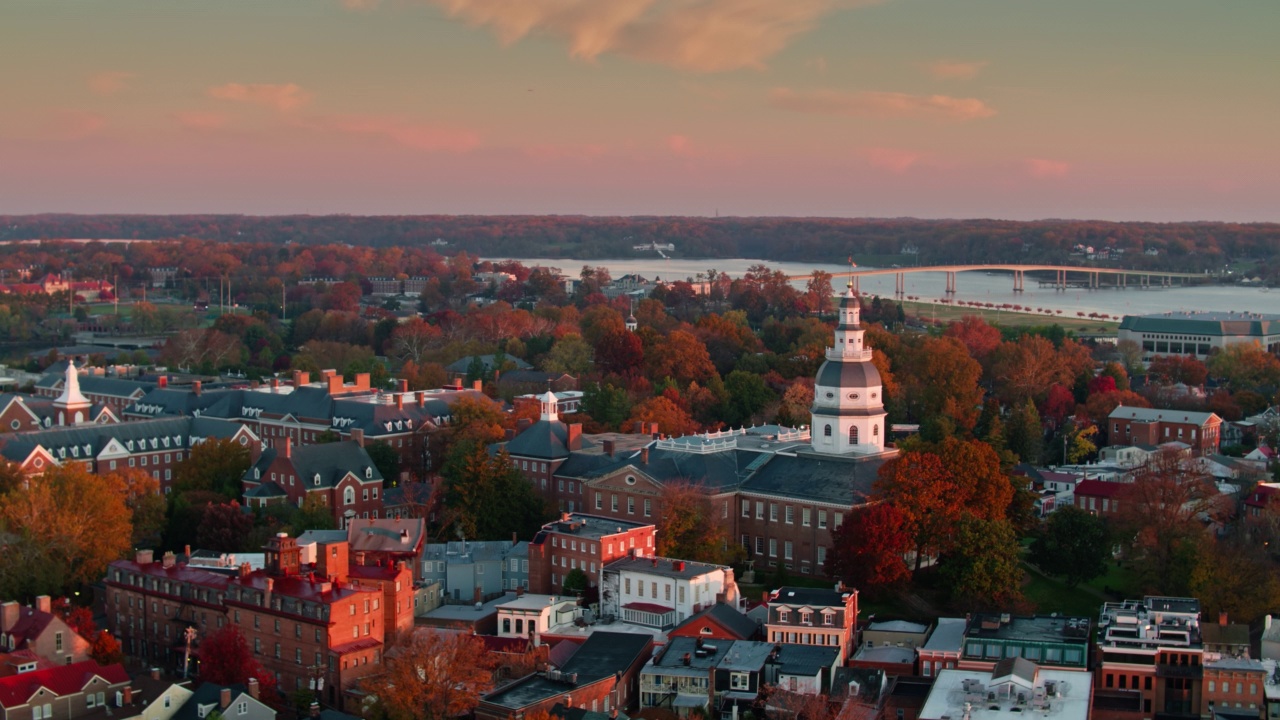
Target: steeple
[(71, 405), (848, 411), (632, 324)]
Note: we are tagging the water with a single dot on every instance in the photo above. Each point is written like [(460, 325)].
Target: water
[(970, 286)]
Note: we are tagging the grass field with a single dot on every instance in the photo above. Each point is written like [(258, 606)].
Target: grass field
[(1052, 595), (946, 313)]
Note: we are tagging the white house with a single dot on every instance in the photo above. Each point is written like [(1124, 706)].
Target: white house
[(531, 615), (661, 592)]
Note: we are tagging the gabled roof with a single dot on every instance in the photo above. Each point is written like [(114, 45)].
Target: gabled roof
[(62, 680), (724, 615), (84, 442), (331, 462), (544, 439), (811, 597), (463, 364), (1018, 668), (606, 653), (832, 480), (1098, 488), (805, 660), (386, 535)]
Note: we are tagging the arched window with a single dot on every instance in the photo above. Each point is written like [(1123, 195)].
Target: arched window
[(853, 434), (349, 496), (826, 431), (875, 430)]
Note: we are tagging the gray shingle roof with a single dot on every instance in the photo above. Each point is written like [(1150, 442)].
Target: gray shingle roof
[(84, 442), (724, 614), (816, 478), (330, 461), (462, 365)]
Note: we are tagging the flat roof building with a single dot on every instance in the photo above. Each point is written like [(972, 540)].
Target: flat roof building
[(1199, 333)]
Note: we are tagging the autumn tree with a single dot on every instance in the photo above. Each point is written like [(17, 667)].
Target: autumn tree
[(1174, 369), (226, 659), (1163, 511), (681, 357), (65, 529), (870, 546), (670, 418), (797, 400), (1024, 435), (746, 395), (1234, 577), (940, 379), (224, 527), (147, 505), (1026, 368), (574, 356), (1074, 544), (818, 295), (689, 526), (214, 465), (411, 341), (1245, 366), (978, 337), (432, 675)]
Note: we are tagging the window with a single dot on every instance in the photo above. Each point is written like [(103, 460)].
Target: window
[(837, 520), (242, 708), (648, 507), (822, 554), (759, 510), (746, 508), (759, 545), (773, 512), (349, 496), (626, 586), (783, 615), (822, 519), (739, 681), (57, 642), (599, 502), (875, 431), (828, 618), (786, 550), (680, 594), (773, 547), (790, 515), (806, 617), (804, 517), (614, 502), (826, 431), (853, 434), (631, 505)]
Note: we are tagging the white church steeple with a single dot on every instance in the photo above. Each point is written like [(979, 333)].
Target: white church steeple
[(72, 406), (848, 410)]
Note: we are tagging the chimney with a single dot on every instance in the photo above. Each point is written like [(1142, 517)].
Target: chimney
[(687, 658), (477, 385), (575, 436), (128, 695), (163, 382), (357, 435), (639, 427), (143, 557), (399, 401), (523, 423), (457, 383), (314, 709), (477, 595), (422, 398), (186, 552), (224, 698), (301, 378), (654, 432), (1222, 618), (336, 383), (195, 387), (275, 384), (402, 386), (9, 614), (45, 604), (362, 381), (253, 688), (644, 455), (168, 560), (519, 591), (288, 447), (155, 673), (564, 517), (514, 539), (244, 570), (509, 434), (608, 448)]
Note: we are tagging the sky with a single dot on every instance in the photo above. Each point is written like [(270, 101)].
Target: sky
[(1021, 109)]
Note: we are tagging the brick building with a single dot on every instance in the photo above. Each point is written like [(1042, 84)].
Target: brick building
[(327, 619), (1050, 641), (339, 475), (154, 446), (1156, 426), (93, 386), (781, 491), (1150, 658), (583, 542), (814, 616), (602, 675), (1099, 497), (718, 622)]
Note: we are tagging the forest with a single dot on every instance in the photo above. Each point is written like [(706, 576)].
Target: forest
[(1170, 246)]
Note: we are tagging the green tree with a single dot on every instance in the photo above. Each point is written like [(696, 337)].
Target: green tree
[(607, 405), (571, 355), (1024, 433), (575, 582), (215, 465), (689, 527), (984, 569), (1073, 544), (747, 395), (486, 498), (386, 459)]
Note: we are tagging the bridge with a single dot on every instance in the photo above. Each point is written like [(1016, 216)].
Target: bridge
[(1084, 277)]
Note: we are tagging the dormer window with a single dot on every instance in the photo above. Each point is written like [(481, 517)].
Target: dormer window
[(368, 472), (316, 480), (783, 615)]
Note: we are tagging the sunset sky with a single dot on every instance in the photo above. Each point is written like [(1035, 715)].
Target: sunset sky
[(1111, 109)]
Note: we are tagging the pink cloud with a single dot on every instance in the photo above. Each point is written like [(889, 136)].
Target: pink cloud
[(419, 136), (196, 120), (75, 124), (680, 145), (894, 160), (956, 69), (546, 151), (1042, 168), (280, 97), (698, 35), (879, 104), (108, 82)]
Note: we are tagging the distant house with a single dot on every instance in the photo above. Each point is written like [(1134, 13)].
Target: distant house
[(718, 622), (461, 367), (38, 629), (84, 685), (1098, 497), (340, 475), (814, 616), (1154, 426), (229, 701)]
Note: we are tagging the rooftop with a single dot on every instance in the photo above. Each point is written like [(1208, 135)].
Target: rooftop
[(534, 602), (947, 635), (692, 653), (886, 654), (902, 626), (810, 597), (594, 527), (1034, 628), (1062, 694), (664, 567)]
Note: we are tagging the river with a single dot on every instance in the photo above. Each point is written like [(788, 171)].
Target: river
[(970, 286)]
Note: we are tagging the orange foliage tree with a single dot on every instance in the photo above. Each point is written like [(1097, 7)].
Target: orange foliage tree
[(433, 676)]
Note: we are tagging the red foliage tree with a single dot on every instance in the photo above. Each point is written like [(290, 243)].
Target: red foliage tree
[(225, 659), (869, 547)]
